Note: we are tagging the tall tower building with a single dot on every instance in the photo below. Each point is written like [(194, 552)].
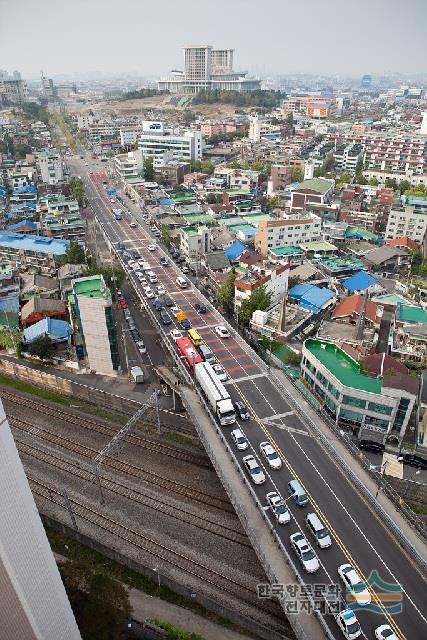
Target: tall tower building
[(197, 64), (424, 124), (33, 601)]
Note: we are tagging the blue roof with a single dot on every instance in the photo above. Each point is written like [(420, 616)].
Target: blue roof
[(311, 298), (24, 205), (166, 201), (56, 329), (22, 223), (39, 244), (360, 281), (235, 250), (28, 189)]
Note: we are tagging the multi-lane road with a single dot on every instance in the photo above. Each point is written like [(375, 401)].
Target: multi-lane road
[(359, 537)]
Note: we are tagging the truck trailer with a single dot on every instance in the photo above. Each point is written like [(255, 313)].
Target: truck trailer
[(215, 392), (137, 374)]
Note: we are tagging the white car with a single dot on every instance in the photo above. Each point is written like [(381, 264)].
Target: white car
[(305, 553), (278, 507), (132, 224), (348, 624), (135, 267), (175, 311), (385, 632), (176, 334), (149, 292), (220, 373), (145, 266), (222, 331), (151, 247), (255, 471), (271, 455), (354, 584), (140, 276), (161, 291), (141, 346), (185, 269), (239, 439)]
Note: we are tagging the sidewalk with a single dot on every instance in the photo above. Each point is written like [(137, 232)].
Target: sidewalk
[(149, 607), (356, 468)]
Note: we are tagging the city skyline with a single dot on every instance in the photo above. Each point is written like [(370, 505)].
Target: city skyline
[(327, 40)]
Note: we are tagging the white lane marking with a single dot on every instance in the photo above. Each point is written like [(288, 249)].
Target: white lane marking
[(235, 380), (348, 514), (283, 427), (279, 415)]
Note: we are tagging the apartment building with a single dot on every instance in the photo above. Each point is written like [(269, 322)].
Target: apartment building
[(347, 157), (407, 221), (94, 325), (273, 275), (315, 190), (365, 403), (238, 178), (49, 164), (209, 129), (156, 140), (289, 231), (84, 121), (129, 165), (281, 176), (33, 603), (259, 128)]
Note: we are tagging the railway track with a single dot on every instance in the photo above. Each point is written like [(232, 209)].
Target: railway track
[(150, 477), (109, 431), (225, 584), (119, 488)]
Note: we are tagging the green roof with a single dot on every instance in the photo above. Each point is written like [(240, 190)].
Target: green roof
[(362, 232), (183, 197), (190, 231), (199, 218), (342, 366), (256, 218), (409, 313), (244, 203), (287, 251), (92, 286), (390, 298), (321, 245), (316, 184), (335, 263)]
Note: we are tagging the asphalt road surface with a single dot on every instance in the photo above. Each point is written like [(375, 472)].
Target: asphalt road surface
[(359, 537)]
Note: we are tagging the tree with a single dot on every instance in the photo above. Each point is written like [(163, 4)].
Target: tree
[(225, 294), (293, 359), (293, 281), (78, 191), (149, 169), (100, 603), (345, 177), (208, 167), (373, 182), (258, 300), (297, 174), (391, 183), (10, 339), (290, 119), (113, 276), (166, 235), (75, 254), (42, 347), (359, 178), (188, 116), (404, 185)]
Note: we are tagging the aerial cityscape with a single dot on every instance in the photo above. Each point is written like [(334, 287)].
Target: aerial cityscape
[(213, 320)]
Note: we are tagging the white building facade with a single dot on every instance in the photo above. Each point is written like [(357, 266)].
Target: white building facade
[(129, 165), (33, 602), (406, 222), (153, 143)]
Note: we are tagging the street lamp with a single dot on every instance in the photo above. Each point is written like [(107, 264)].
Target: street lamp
[(381, 469)]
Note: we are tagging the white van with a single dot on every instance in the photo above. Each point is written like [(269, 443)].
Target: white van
[(317, 530), (182, 283), (151, 277)]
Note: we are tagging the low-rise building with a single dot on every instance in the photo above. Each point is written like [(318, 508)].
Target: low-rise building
[(49, 164), (318, 190), (270, 274), (94, 325), (129, 165), (24, 252), (407, 221), (353, 398), (194, 241), (289, 231), (281, 176), (38, 308)]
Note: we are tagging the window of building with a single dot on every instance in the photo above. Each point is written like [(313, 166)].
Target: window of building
[(354, 402), (380, 408)]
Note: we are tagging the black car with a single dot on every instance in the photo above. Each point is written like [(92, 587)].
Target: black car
[(414, 460), (158, 305), (136, 255), (168, 302), (372, 445), (165, 317), (200, 308), (135, 334)]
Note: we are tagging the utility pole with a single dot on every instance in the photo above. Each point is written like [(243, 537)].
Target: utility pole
[(69, 509)]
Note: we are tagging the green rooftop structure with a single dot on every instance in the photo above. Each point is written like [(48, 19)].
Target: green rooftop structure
[(255, 218), (284, 252), (411, 314), (335, 264), (199, 218), (382, 404), (93, 287), (320, 246), (361, 234), (180, 197)]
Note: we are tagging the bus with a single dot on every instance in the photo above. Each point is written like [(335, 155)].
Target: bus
[(188, 353)]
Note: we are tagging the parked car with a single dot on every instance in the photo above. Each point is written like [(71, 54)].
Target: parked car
[(123, 304), (175, 334), (141, 346), (185, 269), (415, 460), (201, 308), (372, 445)]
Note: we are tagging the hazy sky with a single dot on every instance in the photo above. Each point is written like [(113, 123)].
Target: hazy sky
[(146, 36)]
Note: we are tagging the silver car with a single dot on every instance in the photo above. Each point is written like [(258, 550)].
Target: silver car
[(305, 553)]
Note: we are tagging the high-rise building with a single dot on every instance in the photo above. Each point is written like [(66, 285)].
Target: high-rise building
[(208, 68), (366, 81), (13, 90), (33, 602), (424, 124), (47, 87)]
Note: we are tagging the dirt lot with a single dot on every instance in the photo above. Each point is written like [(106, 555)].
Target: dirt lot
[(156, 102)]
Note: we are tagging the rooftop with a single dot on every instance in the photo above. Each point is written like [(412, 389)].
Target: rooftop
[(287, 251), (38, 244), (342, 366), (316, 184), (92, 287)]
